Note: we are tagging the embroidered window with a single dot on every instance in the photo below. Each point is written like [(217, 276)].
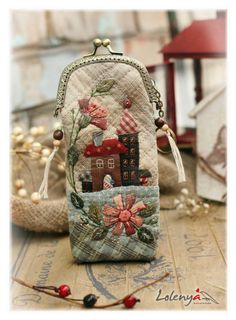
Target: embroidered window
[(132, 163), (126, 175), (132, 151), (111, 163), (100, 163)]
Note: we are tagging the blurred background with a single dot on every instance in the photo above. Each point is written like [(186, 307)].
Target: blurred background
[(44, 42)]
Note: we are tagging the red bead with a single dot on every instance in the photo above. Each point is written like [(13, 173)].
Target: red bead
[(127, 103), (64, 290), (130, 301)]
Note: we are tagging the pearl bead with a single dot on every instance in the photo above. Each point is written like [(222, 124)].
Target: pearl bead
[(36, 147), (35, 197), (165, 127), (17, 130), (34, 131), (46, 152), (56, 143), (43, 161), (19, 138), (184, 191), (41, 130), (19, 183), (22, 193)]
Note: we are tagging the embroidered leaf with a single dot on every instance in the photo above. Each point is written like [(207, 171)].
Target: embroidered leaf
[(145, 235), (104, 85), (77, 202), (99, 233), (154, 220), (72, 155), (94, 213), (150, 210)]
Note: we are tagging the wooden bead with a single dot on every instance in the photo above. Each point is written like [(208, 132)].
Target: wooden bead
[(58, 134), (159, 122), (56, 143), (165, 127), (35, 197)]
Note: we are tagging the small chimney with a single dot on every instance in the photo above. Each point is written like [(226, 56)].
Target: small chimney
[(97, 138)]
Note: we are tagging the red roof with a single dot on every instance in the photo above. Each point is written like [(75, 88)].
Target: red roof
[(202, 39), (108, 147)]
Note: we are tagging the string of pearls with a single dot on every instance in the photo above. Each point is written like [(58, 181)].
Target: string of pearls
[(26, 144)]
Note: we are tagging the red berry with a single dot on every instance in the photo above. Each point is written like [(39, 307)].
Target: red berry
[(130, 301), (64, 290), (127, 103)]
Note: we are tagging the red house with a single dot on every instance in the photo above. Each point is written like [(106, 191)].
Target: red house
[(105, 160)]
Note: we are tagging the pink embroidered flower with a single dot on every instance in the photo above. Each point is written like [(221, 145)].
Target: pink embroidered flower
[(124, 215), (92, 114)]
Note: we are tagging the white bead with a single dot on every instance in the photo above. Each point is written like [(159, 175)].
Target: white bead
[(43, 161), (19, 138), (22, 193), (46, 152), (17, 130), (206, 205), (176, 202), (185, 191), (34, 131), (41, 130), (35, 197), (19, 183), (36, 147)]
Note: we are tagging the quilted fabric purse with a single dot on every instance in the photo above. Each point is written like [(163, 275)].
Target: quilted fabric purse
[(106, 103)]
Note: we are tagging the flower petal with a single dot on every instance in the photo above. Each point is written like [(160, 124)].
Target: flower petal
[(130, 200), (118, 201), (99, 122), (138, 206), (110, 211), (108, 221), (118, 229), (98, 112), (129, 229), (138, 221), (83, 104)]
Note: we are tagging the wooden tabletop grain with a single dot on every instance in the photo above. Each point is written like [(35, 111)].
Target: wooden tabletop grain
[(192, 250)]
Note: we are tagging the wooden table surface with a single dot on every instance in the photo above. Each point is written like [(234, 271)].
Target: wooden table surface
[(192, 250)]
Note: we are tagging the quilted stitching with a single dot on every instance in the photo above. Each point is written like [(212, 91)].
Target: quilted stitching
[(128, 82)]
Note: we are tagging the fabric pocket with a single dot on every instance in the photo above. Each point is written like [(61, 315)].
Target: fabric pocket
[(118, 224)]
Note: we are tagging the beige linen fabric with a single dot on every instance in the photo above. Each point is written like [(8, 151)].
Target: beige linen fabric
[(128, 82)]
